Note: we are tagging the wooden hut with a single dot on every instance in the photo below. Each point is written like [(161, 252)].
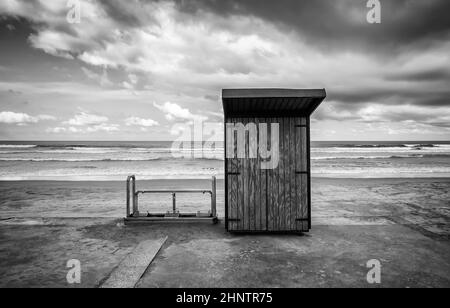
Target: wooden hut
[(268, 189)]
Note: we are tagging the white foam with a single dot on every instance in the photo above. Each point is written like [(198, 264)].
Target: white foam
[(18, 146)]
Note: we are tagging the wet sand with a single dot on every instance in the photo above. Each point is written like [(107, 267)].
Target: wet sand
[(422, 201), (402, 222)]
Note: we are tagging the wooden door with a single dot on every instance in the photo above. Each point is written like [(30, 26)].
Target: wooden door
[(246, 185), (269, 199)]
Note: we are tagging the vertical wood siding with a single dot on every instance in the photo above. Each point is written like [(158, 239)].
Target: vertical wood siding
[(274, 199)]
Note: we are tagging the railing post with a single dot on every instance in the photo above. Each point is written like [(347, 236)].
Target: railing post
[(135, 199), (213, 197), (136, 208), (174, 203), (128, 198)]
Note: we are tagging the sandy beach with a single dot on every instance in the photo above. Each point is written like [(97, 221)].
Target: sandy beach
[(424, 202), (404, 222)]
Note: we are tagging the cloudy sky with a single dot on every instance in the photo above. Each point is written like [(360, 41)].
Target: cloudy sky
[(130, 70)]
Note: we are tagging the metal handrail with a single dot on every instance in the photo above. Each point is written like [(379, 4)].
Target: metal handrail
[(131, 192), (185, 191)]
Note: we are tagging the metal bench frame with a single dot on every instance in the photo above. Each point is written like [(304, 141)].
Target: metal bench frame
[(133, 214)]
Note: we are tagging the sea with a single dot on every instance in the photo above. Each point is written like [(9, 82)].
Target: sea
[(114, 161)]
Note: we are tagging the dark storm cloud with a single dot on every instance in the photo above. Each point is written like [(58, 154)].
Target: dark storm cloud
[(438, 74), (213, 98), (369, 113), (442, 124), (130, 13), (342, 24), (418, 97), (14, 92), (120, 12)]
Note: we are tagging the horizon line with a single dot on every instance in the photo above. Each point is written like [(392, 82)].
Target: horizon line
[(68, 140)]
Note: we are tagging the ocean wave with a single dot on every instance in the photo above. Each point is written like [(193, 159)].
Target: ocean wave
[(168, 147), (351, 157), (215, 158), (407, 156), (437, 155), (381, 146), (135, 145), (425, 145), (138, 159), (117, 146), (369, 146), (18, 146), (77, 159), (107, 150), (105, 159)]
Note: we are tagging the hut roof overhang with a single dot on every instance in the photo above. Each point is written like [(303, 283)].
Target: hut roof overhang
[(271, 102)]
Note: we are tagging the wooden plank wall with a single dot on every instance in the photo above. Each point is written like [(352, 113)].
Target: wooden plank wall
[(273, 199), (301, 167), (232, 170)]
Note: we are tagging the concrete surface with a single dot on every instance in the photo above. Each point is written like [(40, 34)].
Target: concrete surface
[(403, 223), (33, 253), (329, 256)]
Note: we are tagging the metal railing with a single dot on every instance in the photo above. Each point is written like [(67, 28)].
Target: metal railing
[(133, 197)]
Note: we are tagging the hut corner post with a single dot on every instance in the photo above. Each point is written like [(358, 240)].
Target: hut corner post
[(308, 123), (214, 197), (226, 171)]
